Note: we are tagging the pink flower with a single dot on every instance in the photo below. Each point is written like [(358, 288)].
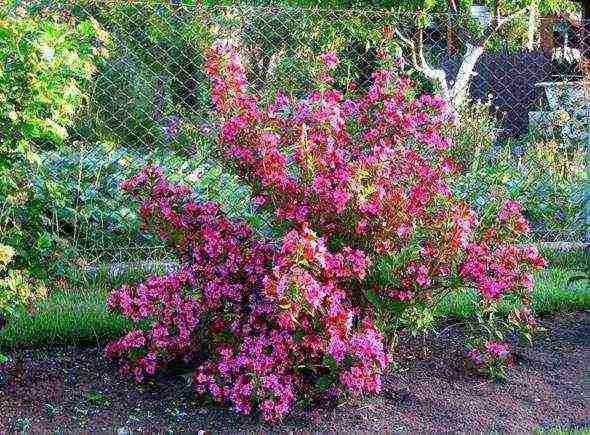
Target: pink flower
[(423, 280), (498, 348), (341, 197), (475, 356), (330, 59), (404, 230), (510, 208)]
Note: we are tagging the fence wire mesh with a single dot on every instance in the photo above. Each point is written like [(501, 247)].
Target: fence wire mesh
[(149, 103)]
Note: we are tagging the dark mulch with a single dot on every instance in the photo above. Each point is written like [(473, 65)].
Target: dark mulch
[(429, 390)]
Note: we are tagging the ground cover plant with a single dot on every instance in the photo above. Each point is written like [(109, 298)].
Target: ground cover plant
[(367, 238)]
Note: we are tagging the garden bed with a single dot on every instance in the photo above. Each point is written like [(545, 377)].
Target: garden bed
[(429, 389)]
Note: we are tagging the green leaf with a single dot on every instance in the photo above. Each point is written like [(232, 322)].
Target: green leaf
[(330, 362), (324, 382), (373, 298), (45, 241)]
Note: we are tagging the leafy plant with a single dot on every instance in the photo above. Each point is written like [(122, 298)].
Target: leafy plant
[(546, 178), (18, 291), (46, 66)]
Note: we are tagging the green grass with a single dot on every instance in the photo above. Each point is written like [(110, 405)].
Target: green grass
[(75, 315), (78, 315), (552, 294), (66, 317), (572, 259)]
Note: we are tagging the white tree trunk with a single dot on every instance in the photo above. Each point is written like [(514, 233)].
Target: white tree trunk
[(456, 94), (438, 77), (531, 27), (460, 88)]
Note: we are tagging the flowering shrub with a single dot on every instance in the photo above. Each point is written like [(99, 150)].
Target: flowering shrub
[(371, 239), (260, 324)]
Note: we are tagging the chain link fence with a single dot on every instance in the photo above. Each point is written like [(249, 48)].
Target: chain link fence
[(526, 103)]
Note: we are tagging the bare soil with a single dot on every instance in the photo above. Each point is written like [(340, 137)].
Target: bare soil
[(429, 389)]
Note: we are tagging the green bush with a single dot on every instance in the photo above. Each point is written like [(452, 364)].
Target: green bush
[(18, 291), (79, 185), (46, 67), (539, 175), (476, 135)]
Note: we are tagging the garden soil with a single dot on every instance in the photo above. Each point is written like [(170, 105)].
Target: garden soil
[(429, 389)]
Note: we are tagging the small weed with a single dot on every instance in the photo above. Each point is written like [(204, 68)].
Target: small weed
[(52, 409), (24, 424), (95, 398), (562, 431), (178, 413)]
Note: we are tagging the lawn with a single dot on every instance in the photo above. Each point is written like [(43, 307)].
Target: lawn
[(77, 314)]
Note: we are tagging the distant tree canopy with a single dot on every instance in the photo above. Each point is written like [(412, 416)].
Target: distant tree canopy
[(435, 6)]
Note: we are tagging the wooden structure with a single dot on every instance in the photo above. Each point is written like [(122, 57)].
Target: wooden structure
[(581, 30)]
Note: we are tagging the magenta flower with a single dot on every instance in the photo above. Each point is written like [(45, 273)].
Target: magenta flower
[(330, 59), (502, 350)]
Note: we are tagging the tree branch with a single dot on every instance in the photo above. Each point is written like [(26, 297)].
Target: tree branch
[(454, 20), (453, 6), (498, 23), (416, 47), (420, 48), (411, 45), (497, 14)]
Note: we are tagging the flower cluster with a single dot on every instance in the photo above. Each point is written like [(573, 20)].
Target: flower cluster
[(6, 255), (357, 187), (305, 285), (491, 357), (257, 322), (373, 170)]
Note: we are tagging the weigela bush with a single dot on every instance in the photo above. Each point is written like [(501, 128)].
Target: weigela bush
[(366, 232), (261, 324)]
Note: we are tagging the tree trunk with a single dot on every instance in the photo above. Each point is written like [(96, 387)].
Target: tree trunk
[(547, 42), (460, 89), (532, 27), (159, 101), (456, 94), (438, 77)]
